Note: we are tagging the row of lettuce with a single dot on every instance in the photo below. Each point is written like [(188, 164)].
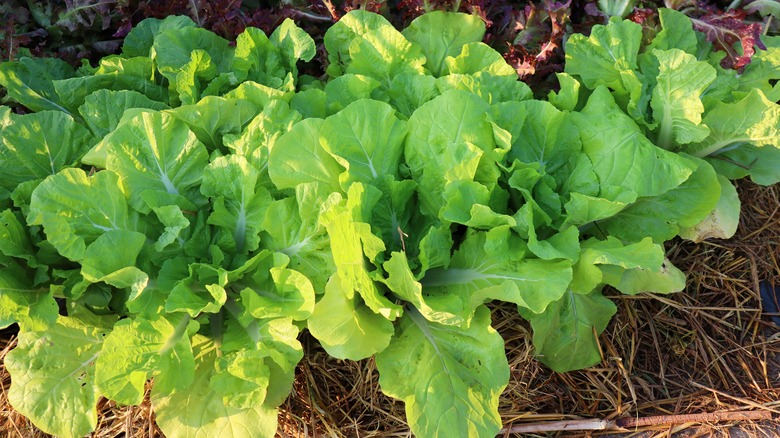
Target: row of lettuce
[(197, 204)]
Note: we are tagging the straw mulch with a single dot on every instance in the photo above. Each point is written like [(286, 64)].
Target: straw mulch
[(709, 349)]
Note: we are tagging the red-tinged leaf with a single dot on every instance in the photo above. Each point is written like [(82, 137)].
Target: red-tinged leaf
[(536, 49), (642, 15), (84, 14), (725, 29), (366, 5)]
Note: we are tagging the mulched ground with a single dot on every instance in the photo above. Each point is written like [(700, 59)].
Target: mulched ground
[(708, 349)]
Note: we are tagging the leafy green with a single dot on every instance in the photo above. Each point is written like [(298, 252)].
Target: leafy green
[(206, 413), (135, 349), (239, 205), (158, 159), (141, 38), (30, 81), (194, 204), (54, 376), (346, 327), (75, 209), (367, 44), (114, 73), (366, 139), (442, 35), (37, 145), (675, 102), (465, 371), (103, 110), (563, 336), (299, 158)]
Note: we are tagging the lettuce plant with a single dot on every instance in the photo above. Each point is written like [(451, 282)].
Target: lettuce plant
[(179, 213), (680, 97)]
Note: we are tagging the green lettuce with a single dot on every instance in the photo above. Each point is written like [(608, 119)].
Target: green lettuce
[(195, 204)]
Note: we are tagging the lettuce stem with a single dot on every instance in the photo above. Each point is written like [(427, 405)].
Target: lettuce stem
[(178, 332), (665, 136)]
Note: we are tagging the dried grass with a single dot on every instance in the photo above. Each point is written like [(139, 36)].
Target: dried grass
[(709, 349)]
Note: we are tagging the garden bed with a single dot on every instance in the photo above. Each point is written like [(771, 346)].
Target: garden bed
[(707, 349), (393, 204)]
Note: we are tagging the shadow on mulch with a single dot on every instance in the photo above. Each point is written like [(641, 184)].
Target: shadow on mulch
[(709, 349)]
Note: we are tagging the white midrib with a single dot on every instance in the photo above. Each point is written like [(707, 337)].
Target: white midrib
[(162, 173), (240, 231), (465, 276), (292, 250), (422, 324)]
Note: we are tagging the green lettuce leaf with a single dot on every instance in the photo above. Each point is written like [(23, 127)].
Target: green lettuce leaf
[(213, 118), (274, 291), (345, 326), (352, 242), (607, 57), (443, 34), (567, 97), (540, 133), (676, 102), (490, 88), (346, 89), (294, 44), (114, 73), (752, 120), (479, 58), (661, 217), (15, 237), (239, 204), (191, 80), (159, 160), (762, 164), (622, 155), (365, 43), (677, 33), (30, 81), (447, 138), (138, 349), (75, 209), (403, 283), (291, 226), (270, 343), (491, 266), (366, 139), (174, 45), (103, 263), (588, 271), (664, 280), (256, 59), (53, 376), (723, 221), (140, 40), (207, 415), (259, 137), (257, 94), (103, 110), (394, 212), (763, 72), (271, 61), (564, 337), (200, 288), (409, 91), (38, 145), (299, 158), (449, 380), (33, 308)]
